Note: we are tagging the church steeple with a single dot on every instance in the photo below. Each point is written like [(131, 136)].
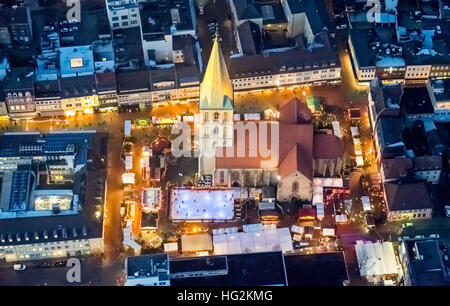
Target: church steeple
[(216, 91)]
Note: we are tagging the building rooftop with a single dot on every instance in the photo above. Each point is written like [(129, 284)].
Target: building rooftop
[(76, 61), (389, 131), (19, 79), (15, 15), (292, 60), (395, 168), (441, 89), (155, 265), (136, 81), (106, 81), (74, 87), (425, 263), (47, 89), (322, 269), (327, 146), (48, 226), (250, 38), (403, 195), (255, 269), (164, 17), (386, 98), (416, 100), (315, 12)]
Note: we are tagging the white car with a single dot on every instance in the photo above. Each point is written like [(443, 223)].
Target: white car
[(447, 211), (19, 267)]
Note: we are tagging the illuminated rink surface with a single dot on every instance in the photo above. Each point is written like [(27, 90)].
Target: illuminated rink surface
[(202, 204)]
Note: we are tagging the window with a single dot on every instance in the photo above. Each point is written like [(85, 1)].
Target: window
[(205, 117), (216, 116), (294, 186), (222, 177)]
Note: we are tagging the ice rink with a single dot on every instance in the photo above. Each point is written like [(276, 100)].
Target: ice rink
[(202, 204)]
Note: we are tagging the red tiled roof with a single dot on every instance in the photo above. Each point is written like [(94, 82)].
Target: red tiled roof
[(295, 111), (298, 159), (228, 158), (288, 135), (327, 146)]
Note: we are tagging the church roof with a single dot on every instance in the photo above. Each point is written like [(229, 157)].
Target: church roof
[(216, 91), (327, 146), (289, 135), (295, 111), (298, 159)]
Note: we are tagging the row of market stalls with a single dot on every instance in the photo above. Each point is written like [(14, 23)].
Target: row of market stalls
[(252, 239), (357, 146)]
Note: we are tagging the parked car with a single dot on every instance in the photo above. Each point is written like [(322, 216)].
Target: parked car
[(19, 267)]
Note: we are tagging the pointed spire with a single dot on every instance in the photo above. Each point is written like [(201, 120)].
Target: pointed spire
[(216, 91)]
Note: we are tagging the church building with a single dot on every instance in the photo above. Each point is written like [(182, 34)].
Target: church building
[(297, 154)]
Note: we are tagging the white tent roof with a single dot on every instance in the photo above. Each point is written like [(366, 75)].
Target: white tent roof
[(366, 203), (195, 243), (170, 247), (254, 241), (128, 162), (252, 227), (128, 178), (297, 229), (359, 161), (376, 259)]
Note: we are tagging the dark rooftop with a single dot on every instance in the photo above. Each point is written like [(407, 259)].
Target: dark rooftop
[(291, 61), (45, 89), (403, 195), (148, 265), (81, 86), (323, 269), (256, 269), (162, 16), (135, 81), (416, 100), (20, 79), (83, 225), (425, 263)]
